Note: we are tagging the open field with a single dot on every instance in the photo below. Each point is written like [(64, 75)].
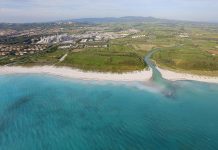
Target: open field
[(115, 58), (106, 61), (187, 47), (193, 56)]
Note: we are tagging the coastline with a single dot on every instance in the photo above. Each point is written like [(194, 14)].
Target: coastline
[(143, 75), (177, 76)]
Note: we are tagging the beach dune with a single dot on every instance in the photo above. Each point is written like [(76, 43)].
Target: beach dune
[(143, 75), (175, 76)]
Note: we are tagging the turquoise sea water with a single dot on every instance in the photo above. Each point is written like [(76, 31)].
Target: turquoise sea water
[(45, 112)]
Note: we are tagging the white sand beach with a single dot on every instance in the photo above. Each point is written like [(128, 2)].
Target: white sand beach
[(143, 75), (174, 76)]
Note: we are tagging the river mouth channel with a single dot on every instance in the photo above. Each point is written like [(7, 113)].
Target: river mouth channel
[(168, 88)]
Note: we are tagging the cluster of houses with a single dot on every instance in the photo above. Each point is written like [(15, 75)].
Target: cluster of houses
[(93, 37), (87, 39), (184, 35), (85, 45), (7, 32), (97, 46), (81, 38), (138, 36), (20, 50)]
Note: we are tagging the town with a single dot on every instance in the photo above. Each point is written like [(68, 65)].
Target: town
[(20, 50), (97, 37)]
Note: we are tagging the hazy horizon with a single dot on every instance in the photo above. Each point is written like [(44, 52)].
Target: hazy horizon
[(74, 19), (27, 11)]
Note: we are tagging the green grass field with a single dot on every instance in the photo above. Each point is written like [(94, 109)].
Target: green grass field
[(105, 60), (190, 57)]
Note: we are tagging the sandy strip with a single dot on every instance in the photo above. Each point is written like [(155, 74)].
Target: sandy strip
[(174, 76), (78, 74)]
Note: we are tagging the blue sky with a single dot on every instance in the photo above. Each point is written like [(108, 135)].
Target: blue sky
[(49, 10)]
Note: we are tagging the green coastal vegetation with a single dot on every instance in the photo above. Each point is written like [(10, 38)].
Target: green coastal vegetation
[(187, 59), (105, 60), (115, 58), (197, 54), (186, 47)]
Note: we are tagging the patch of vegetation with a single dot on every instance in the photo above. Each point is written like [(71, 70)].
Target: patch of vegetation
[(48, 57), (104, 60), (115, 58), (189, 59)]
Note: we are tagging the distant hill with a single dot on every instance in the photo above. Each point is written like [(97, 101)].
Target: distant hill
[(88, 21), (136, 19), (121, 19)]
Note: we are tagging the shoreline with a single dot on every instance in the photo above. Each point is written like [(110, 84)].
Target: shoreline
[(136, 76), (144, 75), (177, 76)]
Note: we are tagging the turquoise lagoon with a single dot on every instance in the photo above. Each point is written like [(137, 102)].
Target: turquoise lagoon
[(39, 112)]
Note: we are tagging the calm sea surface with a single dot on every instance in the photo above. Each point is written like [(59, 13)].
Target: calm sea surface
[(45, 112)]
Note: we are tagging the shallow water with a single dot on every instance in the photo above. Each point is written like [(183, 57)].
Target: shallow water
[(45, 112)]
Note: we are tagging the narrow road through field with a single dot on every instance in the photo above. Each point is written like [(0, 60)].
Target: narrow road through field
[(63, 58)]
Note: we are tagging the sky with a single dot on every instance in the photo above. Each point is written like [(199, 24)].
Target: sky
[(21, 11)]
